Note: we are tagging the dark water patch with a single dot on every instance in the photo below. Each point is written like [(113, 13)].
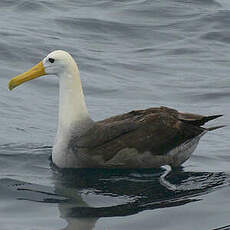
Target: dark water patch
[(10, 34), (30, 7), (94, 90), (7, 3), (210, 96), (112, 30), (219, 19), (184, 51), (97, 26), (220, 36), (146, 50), (173, 12), (197, 3)]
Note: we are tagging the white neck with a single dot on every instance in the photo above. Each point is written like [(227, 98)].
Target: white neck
[(73, 115), (73, 118), (72, 107)]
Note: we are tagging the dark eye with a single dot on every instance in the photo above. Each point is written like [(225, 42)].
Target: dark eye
[(51, 60)]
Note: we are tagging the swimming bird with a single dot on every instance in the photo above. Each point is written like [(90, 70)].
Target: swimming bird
[(138, 139)]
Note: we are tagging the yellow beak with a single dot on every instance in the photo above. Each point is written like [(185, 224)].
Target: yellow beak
[(36, 71)]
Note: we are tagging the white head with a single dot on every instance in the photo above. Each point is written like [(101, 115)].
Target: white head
[(59, 61), (56, 63)]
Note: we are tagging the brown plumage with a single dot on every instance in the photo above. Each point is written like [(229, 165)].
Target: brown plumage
[(154, 132)]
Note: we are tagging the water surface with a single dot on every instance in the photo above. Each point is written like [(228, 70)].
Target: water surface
[(132, 55)]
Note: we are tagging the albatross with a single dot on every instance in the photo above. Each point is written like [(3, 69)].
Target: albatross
[(138, 139)]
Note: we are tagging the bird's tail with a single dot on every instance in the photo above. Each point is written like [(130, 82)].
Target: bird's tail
[(197, 120), (215, 127), (209, 118)]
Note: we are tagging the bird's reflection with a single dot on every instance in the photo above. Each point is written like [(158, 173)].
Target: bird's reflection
[(95, 193), (85, 195)]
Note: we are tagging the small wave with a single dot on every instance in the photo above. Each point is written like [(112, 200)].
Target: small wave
[(30, 6), (21, 190)]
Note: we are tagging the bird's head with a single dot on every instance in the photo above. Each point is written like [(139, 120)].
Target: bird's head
[(55, 63)]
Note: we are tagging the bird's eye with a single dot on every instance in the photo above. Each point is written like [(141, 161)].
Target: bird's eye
[(51, 60)]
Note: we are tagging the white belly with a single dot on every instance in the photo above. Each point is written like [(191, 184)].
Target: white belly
[(182, 153)]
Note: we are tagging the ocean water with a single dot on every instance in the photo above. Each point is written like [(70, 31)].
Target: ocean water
[(132, 54)]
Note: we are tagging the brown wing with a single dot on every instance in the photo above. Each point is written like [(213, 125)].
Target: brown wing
[(157, 130)]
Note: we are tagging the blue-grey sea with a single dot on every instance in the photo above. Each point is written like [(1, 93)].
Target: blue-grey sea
[(132, 54)]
